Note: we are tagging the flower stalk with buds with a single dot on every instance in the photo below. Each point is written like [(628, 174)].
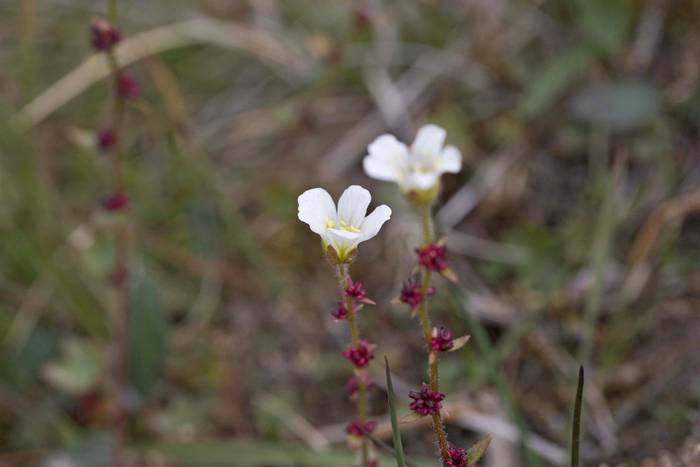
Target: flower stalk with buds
[(105, 37), (341, 230), (417, 170)]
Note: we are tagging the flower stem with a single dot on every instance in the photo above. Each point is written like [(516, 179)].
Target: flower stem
[(360, 374), (120, 274), (112, 11), (423, 315)]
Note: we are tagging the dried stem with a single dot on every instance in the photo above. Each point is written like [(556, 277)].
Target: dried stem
[(360, 374), (423, 315)]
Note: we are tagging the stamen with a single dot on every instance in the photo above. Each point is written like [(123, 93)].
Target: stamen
[(348, 227)]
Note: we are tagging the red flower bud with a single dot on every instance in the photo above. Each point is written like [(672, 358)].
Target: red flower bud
[(457, 457), (127, 86), (357, 428), (104, 35), (426, 401), (106, 139), (411, 293), (115, 202), (432, 257), (355, 289), (441, 340), (359, 355), (353, 384)]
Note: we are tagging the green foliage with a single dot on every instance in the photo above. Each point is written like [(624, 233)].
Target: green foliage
[(623, 105), (19, 366), (395, 430), (256, 454), (542, 267), (552, 79), (604, 22), (477, 451), (147, 335)]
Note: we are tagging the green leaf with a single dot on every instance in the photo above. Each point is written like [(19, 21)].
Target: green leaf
[(147, 335), (19, 366), (576, 427), (549, 82), (605, 22), (623, 105), (203, 228), (477, 451), (396, 432)]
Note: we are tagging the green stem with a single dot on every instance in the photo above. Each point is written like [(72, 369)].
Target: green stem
[(112, 11), (120, 274), (360, 374), (427, 222), (27, 48), (424, 317)]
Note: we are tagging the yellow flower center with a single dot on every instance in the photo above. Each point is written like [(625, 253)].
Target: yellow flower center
[(350, 228), (330, 223)]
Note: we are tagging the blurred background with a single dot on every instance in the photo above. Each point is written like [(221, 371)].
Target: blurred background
[(573, 227)]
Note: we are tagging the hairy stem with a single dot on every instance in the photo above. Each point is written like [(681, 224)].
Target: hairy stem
[(423, 315), (360, 374)]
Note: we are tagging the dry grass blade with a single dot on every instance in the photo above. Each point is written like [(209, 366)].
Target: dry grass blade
[(199, 30)]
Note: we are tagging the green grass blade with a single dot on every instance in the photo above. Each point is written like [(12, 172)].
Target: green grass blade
[(477, 451), (391, 397), (576, 428)]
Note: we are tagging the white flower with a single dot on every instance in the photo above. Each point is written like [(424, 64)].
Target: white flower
[(417, 168), (343, 228)]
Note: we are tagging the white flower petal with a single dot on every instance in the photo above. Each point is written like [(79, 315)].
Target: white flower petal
[(429, 141), (420, 181), (450, 160), (380, 169), (387, 159), (343, 241), (344, 235), (374, 222), (316, 207), (352, 205)]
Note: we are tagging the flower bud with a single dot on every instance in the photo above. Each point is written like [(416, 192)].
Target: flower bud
[(106, 139), (432, 257), (355, 289), (426, 401), (360, 355), (411, 293), (441, 340), (104, 35), (353, 384), (127, 86), (457, 457), (340, 312), (358, 428), (115, 202)]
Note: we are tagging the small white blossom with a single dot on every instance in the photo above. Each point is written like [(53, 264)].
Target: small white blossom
[(345, 227), (417, 168)]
